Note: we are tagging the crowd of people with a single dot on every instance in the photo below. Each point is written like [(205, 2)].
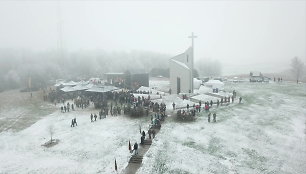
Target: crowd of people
[(158, 115), (189, 112)]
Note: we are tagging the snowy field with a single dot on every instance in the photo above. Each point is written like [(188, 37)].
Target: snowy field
[(265, 134), (90, 147), (20, 111)]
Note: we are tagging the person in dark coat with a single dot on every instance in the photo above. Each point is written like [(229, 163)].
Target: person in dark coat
[(143, 134), (72, 107), (65, 108), (153, 133), (100, 115), (173, 105), (136, 148), (75, 122), (62, 109), (72, 123), (95, 117), (142, 140), (209, 114), (91, 117), (240, 99), (149, 132), (214, 117)]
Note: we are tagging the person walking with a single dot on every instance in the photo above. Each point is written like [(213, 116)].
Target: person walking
[(91, 117), (72, 123), (153, 133), (143, 134), (149, 132), (136, 148), (142, 140), (209, 114), (240, 99), (214, 117), (75, 122), (95, 117)]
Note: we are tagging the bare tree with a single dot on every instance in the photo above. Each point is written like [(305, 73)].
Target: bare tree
[(297, 68)]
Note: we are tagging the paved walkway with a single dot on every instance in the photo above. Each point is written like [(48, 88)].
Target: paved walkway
[(135, 161)]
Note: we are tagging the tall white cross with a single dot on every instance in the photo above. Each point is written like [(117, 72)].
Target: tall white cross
[(191, 74), (192, 37)]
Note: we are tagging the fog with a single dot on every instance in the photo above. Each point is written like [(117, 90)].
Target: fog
[(88, 38)]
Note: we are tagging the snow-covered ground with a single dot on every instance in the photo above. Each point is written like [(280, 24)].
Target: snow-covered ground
[(20, 110), (160, 84), (265, 134), (90, 147)]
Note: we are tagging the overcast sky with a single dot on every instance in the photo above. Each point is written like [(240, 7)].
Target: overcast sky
[(242, 35)]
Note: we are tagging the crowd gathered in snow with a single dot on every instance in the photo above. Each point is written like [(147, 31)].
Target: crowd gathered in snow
[(189, 113)]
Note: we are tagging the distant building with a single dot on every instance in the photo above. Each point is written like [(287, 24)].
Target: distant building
[(256, 76), (139, 79), (129, 79), (114, 78)]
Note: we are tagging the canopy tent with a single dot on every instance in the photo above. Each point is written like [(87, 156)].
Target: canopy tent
[(215, 84), (102, 89), (203, 90), (196, 83), (81, 87), (67, 89), (71, 83)]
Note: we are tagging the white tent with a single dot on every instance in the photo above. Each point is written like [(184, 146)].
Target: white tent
[(196, 83), (67, 89), (71, 83), (215, 84), (102, 89), (203, 90), (81, 87)]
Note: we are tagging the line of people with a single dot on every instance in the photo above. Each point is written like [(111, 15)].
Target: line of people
[(66, 108), (94, 117), (160, 114)]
